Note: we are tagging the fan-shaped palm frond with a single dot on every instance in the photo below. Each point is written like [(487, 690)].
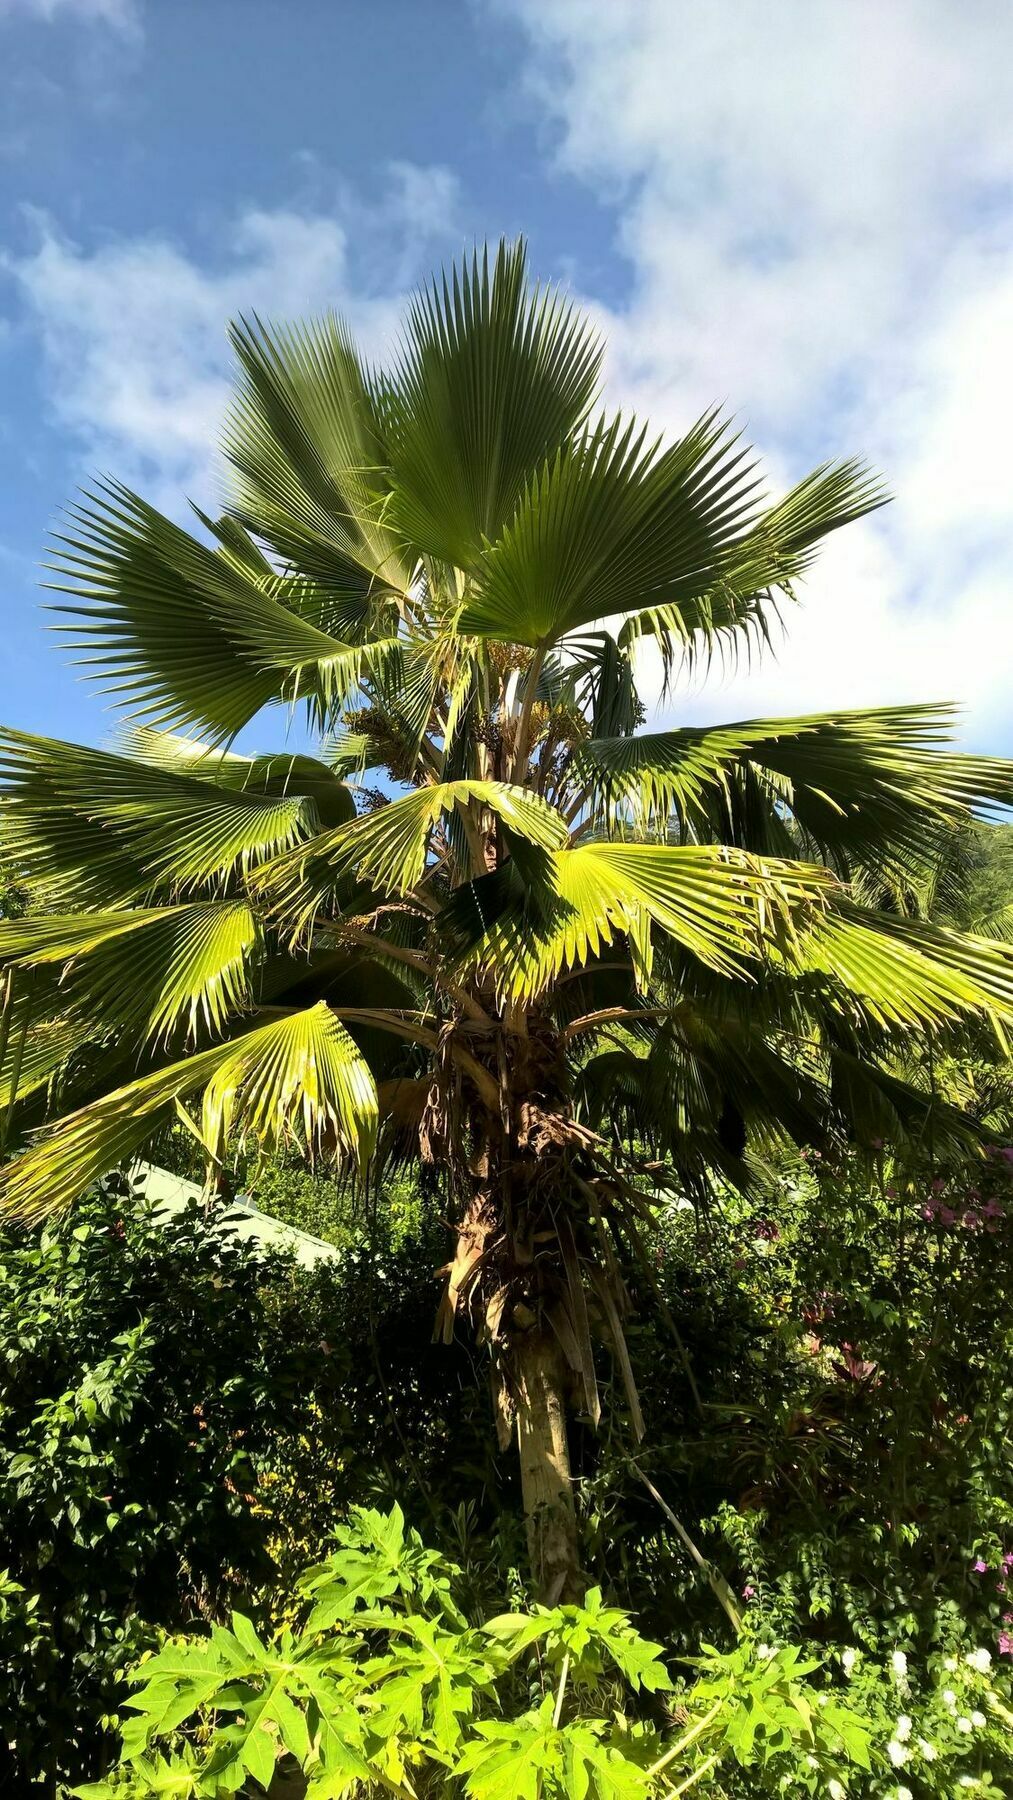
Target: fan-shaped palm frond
[(150, 970), (184, 635), (491, 380), (855, 783), (298, 1078), (101, 829)]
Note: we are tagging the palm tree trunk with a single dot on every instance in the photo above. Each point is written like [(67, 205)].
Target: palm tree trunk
[(546, 1479)]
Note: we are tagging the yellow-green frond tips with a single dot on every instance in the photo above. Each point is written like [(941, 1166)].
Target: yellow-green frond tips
[(725, 909), (153, 971), (304, 1084), (299, 1080), (904, 973), (393, 848)]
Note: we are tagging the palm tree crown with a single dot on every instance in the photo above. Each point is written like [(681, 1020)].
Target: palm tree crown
[(492, 925)]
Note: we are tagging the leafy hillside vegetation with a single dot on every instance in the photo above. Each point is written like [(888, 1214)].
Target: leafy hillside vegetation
[(652, 1082)]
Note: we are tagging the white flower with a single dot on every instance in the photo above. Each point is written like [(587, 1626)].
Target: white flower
[(848, 1660), (964, 1725), (835, 1789), (979, 1719), (949, 1664), (968, 1781), (980, 1660), (811, 1760), (898, 1663), (903, 1794), (949, 1698), (765, 1652), (928, 1750), (902, 1729), (898, 1753)]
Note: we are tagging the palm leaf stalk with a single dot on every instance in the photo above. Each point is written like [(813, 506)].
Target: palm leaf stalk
[(491, 926)]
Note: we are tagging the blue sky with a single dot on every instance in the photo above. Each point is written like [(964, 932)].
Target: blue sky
[(797, 208)]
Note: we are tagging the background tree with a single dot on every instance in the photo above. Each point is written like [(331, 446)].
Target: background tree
[(576, 966)]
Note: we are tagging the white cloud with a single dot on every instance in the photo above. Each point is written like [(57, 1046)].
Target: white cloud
[(815, 203), (133, 331), (122, 15)]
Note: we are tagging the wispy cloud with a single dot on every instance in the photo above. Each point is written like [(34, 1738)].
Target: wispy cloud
[(133, 330), (815, 203), (122, 15)]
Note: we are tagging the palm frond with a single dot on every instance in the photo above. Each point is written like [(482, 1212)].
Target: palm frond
[(614, 524), (100, 829), (184, 636), (280, 773), (765, 559), (389, 848), (907, 973), (309, 465), (491, 379), (858, 783), (722, 907), (146, 970), (299, 1079)]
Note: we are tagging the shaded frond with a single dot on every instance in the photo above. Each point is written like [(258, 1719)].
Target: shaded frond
[(875, 780), (310, 467), (186, 636)]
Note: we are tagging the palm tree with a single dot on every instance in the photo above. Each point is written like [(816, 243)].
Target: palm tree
[(492, 926)]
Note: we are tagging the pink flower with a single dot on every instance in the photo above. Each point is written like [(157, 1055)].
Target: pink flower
[(1007, 1153), (938, 1185), (979, 1567), (1007, 1561), (947, 1215), (1005, 1643), (748, 1593), (1007, 1618), (971, 1219), (928, 1212)]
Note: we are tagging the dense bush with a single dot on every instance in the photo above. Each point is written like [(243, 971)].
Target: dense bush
[(183, 1424), (180, 1420), (850, 1463)]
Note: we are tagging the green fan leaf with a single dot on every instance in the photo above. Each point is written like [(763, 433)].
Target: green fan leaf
[(854, 782), (104, 829), (492, 378), (611, 524), (299, 1079), (150, 970)]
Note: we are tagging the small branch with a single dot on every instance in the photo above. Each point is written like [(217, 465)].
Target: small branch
[(419, 1034), (691, 1780), (415, 960), (607, 1014), (684, 1742), (719, 1585), (558, 1712)]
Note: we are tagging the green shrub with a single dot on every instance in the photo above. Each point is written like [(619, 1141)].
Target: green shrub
[(385, 1686)]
